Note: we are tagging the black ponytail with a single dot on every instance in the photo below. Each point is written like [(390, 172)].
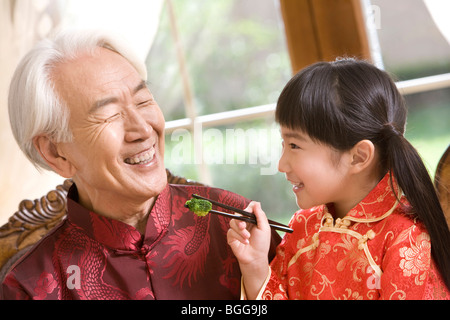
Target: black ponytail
[(344, 102), (413, 179)]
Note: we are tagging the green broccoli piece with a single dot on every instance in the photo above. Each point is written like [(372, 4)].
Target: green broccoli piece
[(199, 207)]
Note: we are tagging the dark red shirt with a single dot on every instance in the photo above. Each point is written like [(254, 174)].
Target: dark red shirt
[(88, 256)]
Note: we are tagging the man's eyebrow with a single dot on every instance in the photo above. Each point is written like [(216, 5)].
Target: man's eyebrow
[(103, 102), (142, 85)]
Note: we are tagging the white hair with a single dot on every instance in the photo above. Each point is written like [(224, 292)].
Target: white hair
[(33, 103)]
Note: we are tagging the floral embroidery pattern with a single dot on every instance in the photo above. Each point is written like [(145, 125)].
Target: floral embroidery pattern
[(416, 258), (45, 285)]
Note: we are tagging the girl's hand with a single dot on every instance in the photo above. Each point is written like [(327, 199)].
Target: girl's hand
[(250, 244)]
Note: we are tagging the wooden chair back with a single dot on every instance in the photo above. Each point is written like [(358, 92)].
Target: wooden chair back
[(442, 183)]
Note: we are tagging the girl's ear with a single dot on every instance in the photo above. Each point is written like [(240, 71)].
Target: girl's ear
[(362, 156), (49, 152)]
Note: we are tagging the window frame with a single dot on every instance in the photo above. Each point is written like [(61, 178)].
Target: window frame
[(193, 121)]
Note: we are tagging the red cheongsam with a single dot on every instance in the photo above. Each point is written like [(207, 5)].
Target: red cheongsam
[(378, 251)]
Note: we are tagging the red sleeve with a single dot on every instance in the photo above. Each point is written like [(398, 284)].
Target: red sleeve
[(12, 290), (276, 286), (275, 289)]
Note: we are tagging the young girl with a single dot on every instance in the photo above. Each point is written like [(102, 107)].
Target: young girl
[(371, 226)]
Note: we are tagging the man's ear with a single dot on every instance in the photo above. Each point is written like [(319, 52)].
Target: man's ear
[(362, 155), (49, 152)]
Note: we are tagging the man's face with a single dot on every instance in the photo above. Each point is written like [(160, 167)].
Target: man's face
[(117, 126)]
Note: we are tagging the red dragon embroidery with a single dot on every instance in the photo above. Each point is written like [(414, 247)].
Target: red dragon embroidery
[(74, 247), (189, 246)]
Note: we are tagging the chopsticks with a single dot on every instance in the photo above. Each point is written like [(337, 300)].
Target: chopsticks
[(248, 217)]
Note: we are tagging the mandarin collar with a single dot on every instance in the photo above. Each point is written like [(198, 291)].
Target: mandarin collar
[(115, 234), (377, 205)]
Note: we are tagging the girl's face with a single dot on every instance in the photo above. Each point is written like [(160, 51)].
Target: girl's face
[(316, 171)]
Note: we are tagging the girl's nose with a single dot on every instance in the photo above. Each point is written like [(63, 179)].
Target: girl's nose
[(283, 164)]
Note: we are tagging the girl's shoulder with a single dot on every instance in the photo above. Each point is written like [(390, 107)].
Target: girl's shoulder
[(403, 227), (404, 218)]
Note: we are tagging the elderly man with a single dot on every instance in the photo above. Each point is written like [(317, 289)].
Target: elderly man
[(79, 105)]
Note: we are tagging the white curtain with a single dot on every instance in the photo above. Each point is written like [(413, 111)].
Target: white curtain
[(22, 24), (136, 20), (440, 10)]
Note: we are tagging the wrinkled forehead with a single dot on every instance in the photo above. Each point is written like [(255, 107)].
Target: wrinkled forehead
[(94, 75)]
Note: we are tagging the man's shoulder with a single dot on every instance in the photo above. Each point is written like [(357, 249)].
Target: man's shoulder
[(40, 254)]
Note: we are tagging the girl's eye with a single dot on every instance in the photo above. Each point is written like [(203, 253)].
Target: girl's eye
[(292, 146)]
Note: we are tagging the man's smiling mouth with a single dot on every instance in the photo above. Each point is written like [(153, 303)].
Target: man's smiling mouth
[(142, 158)]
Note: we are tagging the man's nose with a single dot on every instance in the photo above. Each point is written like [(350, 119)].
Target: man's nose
[(136, 127)]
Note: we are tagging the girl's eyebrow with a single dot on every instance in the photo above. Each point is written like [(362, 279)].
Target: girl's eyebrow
[(294, 135)]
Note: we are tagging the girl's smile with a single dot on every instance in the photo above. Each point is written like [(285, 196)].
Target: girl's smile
[(296, 186)]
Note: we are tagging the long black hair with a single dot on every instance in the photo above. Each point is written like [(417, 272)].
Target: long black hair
[(343, 102)]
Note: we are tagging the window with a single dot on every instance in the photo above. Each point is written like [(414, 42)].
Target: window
[(413, 46), (234, 55), (236, 63)]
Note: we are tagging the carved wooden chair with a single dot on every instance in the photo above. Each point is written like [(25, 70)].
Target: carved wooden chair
[(442, 183), (34, 219)]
